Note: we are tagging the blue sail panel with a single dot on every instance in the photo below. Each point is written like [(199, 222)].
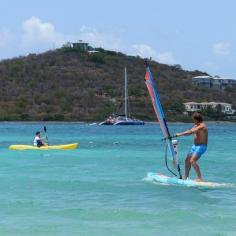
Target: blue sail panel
[(159, 113)]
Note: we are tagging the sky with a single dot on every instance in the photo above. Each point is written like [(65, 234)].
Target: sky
[(197, 34)]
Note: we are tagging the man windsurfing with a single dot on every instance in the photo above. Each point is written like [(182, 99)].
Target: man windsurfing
[(199, 147)]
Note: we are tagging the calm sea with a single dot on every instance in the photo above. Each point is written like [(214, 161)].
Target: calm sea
[(99, 188)]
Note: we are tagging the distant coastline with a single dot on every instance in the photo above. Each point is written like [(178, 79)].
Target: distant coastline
[(68, 84), (97, 122)]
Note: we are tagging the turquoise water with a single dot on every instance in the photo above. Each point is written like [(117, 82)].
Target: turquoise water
[(98, 189)]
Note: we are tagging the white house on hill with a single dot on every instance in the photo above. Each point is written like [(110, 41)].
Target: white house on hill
[(226, 108), (213, 82)]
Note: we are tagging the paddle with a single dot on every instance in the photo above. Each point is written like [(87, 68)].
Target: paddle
[(45, 131)]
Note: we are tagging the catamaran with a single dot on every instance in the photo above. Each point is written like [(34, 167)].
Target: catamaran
[(123, 119), (160, 178)]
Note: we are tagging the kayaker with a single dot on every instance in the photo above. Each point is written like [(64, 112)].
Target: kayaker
[(38, 140)]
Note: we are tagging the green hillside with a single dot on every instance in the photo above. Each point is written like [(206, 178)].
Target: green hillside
[(67, 84)]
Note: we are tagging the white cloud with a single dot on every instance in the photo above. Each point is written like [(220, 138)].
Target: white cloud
[(114, 42), (166, 57), (146, 51), (221, 48), (210, 66), (5, 37), (40, 35), (98, 39)]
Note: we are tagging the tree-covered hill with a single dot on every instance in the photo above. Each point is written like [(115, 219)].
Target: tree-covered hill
[(71, 85)]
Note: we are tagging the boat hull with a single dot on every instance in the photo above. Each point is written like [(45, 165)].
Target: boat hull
[(53, 147), (121, 120), (106, 123), (129, 123)]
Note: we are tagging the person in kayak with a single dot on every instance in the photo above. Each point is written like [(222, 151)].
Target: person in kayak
[(199, 147), (38, 140)]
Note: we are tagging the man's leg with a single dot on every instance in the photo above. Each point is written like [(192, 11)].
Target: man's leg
[(187, 166), (193, 162)]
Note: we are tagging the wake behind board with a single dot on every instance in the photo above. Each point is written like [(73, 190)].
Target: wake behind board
[(163, 179)]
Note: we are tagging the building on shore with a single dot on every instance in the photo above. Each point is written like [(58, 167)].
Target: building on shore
[(79, 46), (213, 82), (225, 108)]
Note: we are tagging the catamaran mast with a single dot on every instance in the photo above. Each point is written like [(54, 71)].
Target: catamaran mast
[(126, 95)]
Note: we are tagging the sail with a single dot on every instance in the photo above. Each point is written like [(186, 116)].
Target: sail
[(160, 114)]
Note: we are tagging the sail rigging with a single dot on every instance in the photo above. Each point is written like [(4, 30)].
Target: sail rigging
[(160, 116), (126, 95), (124, 118)]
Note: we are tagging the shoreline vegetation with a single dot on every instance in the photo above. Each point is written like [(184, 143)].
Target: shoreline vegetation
[(71, 85)]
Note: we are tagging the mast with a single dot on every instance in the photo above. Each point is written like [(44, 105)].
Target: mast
[(161, 117), (126, 95)]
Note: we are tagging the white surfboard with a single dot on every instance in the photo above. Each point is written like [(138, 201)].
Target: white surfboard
[(163, 179)]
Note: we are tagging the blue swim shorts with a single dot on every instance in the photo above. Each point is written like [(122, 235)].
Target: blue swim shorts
[(197, 150)]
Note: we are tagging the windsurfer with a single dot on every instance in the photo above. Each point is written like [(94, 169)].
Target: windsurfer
[(200, 145)]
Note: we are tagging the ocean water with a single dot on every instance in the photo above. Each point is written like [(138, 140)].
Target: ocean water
[(98, 189)]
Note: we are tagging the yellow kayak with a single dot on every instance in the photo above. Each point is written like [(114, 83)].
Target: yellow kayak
[(31, 147)]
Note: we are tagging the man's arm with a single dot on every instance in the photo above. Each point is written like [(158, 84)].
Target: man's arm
[(185, 133), (191, 131)]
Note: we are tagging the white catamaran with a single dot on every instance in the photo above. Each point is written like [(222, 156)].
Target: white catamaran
[(123, 119)]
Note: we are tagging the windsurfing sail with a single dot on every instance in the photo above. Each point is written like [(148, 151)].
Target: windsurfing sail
[(160, 116)]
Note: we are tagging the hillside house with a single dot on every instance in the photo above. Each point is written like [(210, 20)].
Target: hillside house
[(213, 82), (226, 108)]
